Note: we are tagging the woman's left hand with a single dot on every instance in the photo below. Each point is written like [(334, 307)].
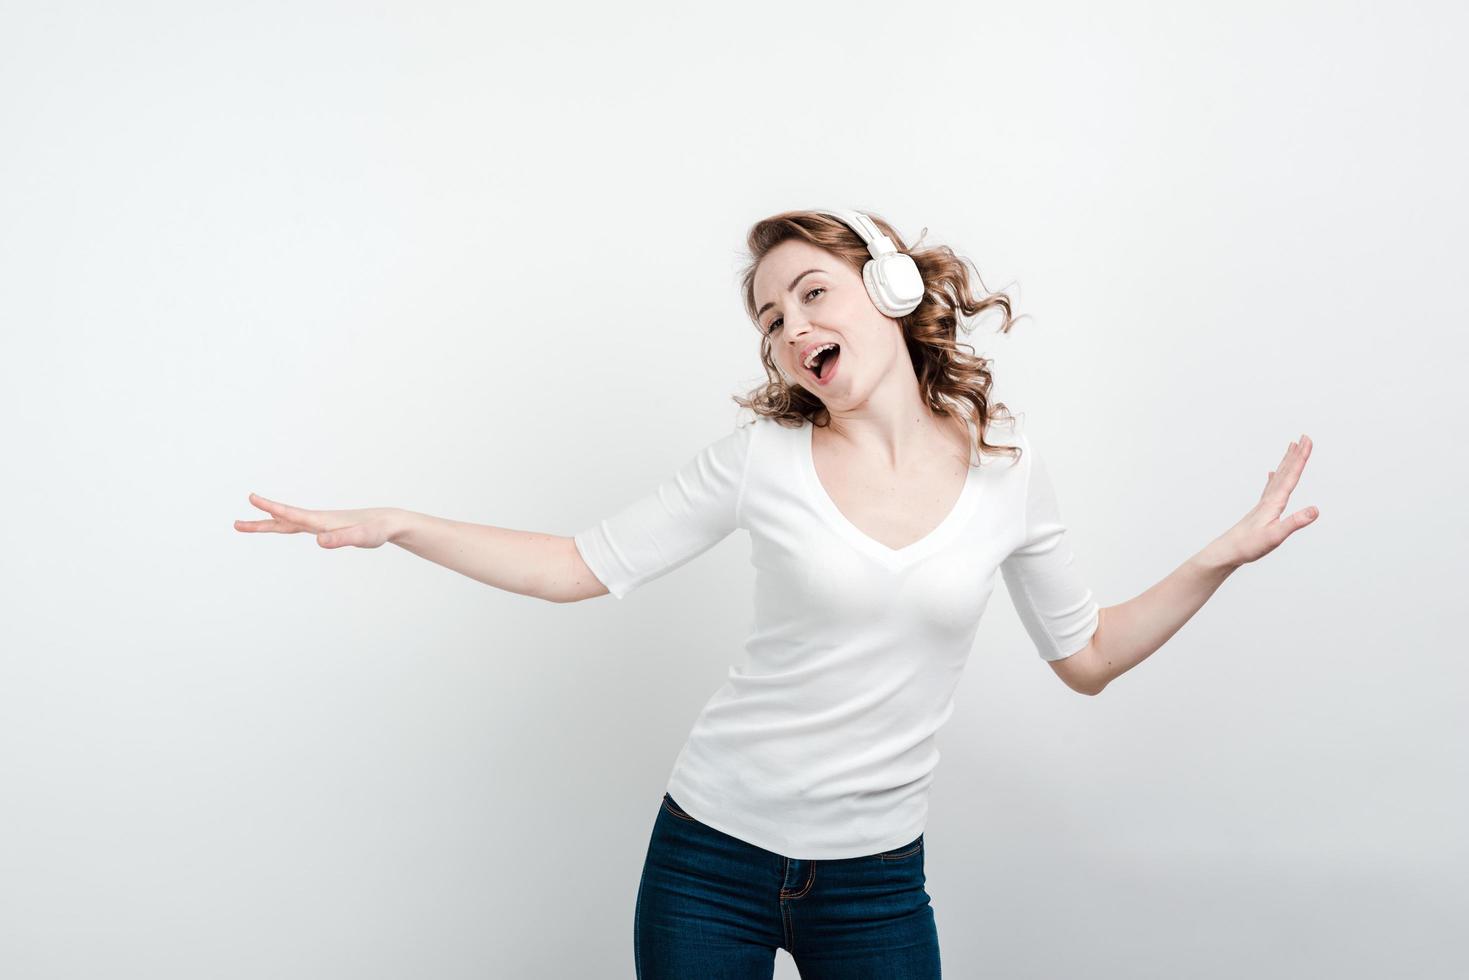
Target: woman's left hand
[(1261, 530)]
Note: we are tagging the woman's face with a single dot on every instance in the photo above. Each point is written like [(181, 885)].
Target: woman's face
[(800, 309)]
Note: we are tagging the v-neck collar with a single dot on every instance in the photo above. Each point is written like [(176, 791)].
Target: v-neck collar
[(893, 558)]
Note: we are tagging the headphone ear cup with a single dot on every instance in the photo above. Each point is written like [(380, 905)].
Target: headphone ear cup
[(894, 283)]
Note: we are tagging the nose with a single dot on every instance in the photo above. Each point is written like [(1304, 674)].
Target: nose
[(796, 328)]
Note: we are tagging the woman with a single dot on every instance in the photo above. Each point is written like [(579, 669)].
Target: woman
[(878, 517)]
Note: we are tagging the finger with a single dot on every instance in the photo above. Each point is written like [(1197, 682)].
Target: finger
[(266, 504), (279, 526), (300, 516), (1277, 531), (1305, 516), (1304, 454), (1290, 469), (1297, 464), (270, 525), (341, 537), (1287, 526), (1295, 447)]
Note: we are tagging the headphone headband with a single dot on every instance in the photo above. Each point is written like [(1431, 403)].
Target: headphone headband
[(877, 243), (892, 277)]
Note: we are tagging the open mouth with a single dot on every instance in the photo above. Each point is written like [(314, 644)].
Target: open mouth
[(825, 364)]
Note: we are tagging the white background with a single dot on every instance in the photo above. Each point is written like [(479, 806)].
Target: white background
[(483, 264)]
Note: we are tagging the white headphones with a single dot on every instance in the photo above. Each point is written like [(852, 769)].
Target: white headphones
[(892, 277)]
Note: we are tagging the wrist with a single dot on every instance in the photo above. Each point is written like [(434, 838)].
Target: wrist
[(1218, 556), (400, 524)]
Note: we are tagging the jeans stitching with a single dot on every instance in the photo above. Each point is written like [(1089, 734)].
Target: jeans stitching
[(888, 856), (809, 882), (637, 945), (667, 805)]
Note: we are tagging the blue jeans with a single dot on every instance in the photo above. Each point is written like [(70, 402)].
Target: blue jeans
[(714, 907)]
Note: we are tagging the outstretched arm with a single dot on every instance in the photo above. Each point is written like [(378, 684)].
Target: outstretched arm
[(543, 566), (1128, 633)]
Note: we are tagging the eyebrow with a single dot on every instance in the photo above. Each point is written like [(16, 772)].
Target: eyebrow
[(789, 288)]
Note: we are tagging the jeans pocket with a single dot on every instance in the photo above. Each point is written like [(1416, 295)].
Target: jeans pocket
[(906, 851), (672, 808)]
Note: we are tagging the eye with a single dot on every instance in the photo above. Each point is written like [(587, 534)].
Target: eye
[(775, 324)]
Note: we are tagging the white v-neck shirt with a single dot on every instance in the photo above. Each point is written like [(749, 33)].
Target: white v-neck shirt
[(821, 744)]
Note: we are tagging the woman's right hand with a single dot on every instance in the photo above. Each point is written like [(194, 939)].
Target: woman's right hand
[(368, 528)]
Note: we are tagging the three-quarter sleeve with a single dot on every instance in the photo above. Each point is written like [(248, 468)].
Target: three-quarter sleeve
[(686, 515), (1053, 602)]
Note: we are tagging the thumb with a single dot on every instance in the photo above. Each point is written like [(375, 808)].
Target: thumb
[(337, 538)]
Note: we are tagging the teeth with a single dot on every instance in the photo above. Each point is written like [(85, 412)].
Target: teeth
[(811, 357)]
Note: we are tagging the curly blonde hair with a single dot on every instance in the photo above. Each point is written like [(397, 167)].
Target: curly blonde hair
[(951, 381)]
